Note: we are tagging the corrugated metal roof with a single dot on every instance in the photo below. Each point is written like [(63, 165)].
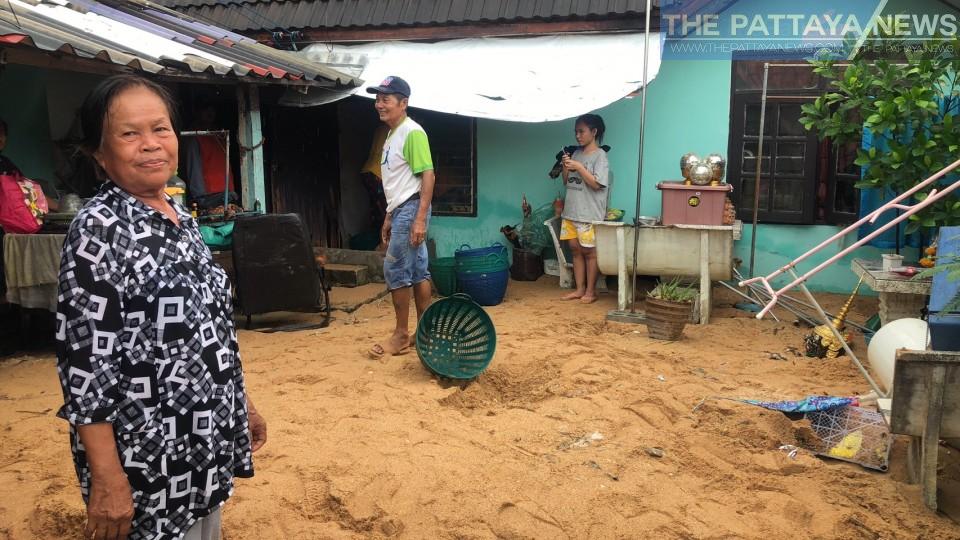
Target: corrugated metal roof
[(148, 37), (253, 15)]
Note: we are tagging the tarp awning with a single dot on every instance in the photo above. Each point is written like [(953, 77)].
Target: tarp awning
[(517, 79)]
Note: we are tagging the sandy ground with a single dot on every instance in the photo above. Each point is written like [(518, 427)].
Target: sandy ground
[(550, 442)]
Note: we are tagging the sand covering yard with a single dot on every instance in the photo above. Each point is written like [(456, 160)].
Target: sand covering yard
[(551, 442)]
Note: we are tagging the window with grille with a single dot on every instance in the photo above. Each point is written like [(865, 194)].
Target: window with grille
[(802, 180), (453, 148)]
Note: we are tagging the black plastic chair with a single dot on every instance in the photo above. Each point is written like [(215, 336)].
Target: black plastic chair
[(276, 270)]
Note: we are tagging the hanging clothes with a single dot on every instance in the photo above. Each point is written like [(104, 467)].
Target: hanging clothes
[(213, 157), (205, 168)]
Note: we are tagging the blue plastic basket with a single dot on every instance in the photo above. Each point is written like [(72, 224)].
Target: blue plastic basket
[(491, 262), (496, 248), (486, 289)]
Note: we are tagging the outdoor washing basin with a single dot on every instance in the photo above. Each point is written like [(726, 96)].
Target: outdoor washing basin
[(663, 250), (672, 250)]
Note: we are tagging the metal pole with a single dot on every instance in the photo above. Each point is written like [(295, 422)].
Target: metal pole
[(749, 299), (643, 117), (756, 178), (226, 179), (836, 334), (784, 299)]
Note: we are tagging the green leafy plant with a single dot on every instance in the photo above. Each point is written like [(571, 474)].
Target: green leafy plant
[(910, 104), (673, 291)]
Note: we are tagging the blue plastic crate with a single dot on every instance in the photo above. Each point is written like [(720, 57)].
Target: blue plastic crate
[(945, 326)]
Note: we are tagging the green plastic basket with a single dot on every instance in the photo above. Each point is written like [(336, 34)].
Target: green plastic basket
[(443, 272), (456, 338)]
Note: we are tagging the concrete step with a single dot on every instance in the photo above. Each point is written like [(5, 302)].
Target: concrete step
[(346, 275)]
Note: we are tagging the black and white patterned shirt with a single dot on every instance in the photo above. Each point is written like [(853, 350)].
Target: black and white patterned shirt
[(146, 341)]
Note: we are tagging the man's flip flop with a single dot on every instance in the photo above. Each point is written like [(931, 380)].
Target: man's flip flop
[(377, 352)]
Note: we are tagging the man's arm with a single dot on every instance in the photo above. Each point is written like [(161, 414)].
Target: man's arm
[(428, 180), (418, 232), (385, 229)]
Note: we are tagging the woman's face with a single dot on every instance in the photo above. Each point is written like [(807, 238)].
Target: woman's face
[(584, 134), (138, 149)]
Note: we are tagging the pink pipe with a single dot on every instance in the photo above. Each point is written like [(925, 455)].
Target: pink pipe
[(909, 210), (871, 217)]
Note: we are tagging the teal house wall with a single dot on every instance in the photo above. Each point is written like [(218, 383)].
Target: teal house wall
[(688, 110), (23, 105)]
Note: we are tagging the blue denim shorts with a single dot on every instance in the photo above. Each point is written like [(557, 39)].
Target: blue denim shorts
[(405, 265)]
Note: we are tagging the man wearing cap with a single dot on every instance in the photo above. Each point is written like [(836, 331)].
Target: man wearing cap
[(407, 172)]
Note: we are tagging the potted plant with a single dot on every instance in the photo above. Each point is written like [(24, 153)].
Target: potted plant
[(668, 307)]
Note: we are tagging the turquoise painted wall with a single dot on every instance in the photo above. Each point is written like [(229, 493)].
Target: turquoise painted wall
[(682, 116), (514, 157), (23, 104)]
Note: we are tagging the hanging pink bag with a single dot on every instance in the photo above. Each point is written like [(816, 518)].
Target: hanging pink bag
[(22, 204)]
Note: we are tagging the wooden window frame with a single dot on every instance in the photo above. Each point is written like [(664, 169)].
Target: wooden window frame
[(821, 180), (428, 119)]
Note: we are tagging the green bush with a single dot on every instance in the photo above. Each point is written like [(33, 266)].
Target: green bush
[(910, 102)]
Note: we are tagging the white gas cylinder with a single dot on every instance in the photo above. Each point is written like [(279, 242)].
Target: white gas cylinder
[(899, 334)]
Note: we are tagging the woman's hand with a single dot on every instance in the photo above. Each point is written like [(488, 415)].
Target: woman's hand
[(110, 507), (110, 504), (258, 427), (571, 164)]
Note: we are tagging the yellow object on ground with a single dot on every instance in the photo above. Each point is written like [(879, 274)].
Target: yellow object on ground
[(849, 446)]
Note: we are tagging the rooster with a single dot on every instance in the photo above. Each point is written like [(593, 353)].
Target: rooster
[(511, 234)]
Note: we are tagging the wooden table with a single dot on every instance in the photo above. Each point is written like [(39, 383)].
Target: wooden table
[(926, 406), (901, 297)]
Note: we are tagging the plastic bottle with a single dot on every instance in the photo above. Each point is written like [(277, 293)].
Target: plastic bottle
[(176, 189)]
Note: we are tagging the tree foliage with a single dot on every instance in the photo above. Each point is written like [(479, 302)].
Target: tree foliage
[(909, 104)]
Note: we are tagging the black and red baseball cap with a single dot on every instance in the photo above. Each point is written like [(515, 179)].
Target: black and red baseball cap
[(391, 85)]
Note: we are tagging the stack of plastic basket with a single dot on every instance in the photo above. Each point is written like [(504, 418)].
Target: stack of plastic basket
[(443, 272), (483, 273)]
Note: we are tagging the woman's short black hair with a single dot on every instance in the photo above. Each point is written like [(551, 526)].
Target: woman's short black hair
[(94, 110), (3, 126), (593, 121)]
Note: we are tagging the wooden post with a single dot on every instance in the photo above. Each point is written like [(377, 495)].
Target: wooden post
[(250, 141), (925, 406), (931, 436)]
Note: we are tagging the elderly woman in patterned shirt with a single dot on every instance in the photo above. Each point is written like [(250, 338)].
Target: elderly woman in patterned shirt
[(147, 353)]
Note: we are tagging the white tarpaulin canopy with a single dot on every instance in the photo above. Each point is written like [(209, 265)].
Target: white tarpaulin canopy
[(533, 79)]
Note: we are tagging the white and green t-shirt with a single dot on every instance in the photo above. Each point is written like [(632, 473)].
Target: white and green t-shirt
[(406, 154)]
